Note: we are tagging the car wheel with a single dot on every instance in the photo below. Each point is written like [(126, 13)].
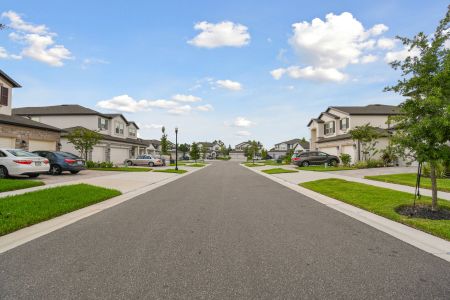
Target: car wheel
[(333, 163), (305, 164), (150, 164), (34, 175), (74, 172), (129, 163), (55, 170), (3, 172)]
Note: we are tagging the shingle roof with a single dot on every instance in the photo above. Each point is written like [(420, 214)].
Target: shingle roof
[(9, 79), (317, 120), (25, 122), (109, 137), (65, 109), (206, 144), (372, 109)]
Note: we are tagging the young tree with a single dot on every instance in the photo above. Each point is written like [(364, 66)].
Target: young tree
[(264, 153), (195, 152), (184, 148), (423, 127), (223, 150), (164, 142), (204, 151), (84, 140), (366, 136), (253, 150)]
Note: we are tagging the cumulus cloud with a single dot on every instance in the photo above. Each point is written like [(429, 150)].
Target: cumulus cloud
[(386, 43), (369, 58), (243, 133), (180, 110), (206, 107), (123, 103), (186, 98), (329, 46), (400, 54), (223, 34), (229, 84), (240, 122), (38, 41)]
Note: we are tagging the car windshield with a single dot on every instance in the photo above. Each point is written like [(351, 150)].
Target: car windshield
[(22, 153), (67, 154)]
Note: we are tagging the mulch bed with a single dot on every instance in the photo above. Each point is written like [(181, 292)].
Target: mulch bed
[(424, 212)]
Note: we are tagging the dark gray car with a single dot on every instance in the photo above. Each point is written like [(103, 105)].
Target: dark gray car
[(63, 161), (305, 159)]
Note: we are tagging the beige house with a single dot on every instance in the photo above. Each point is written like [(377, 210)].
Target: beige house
[(23, 133), (119, 141), (330, 130), (281, 149)]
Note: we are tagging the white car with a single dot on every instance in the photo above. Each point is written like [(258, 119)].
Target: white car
[(19, 162)]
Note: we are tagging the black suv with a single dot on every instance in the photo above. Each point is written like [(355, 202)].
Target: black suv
[(305, 159)]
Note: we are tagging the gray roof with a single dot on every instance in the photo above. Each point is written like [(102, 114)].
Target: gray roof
[(109, 137), (304, 144), (9, 79), (25, 122), (65, 109), (206, 144), (317, 120), (372, 109)]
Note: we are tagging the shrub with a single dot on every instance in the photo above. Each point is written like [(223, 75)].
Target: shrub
[(346, 159), (91, 164), (441, 170), (373, 163), (361, 165)]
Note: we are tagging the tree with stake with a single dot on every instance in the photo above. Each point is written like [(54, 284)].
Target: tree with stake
[(184, 148), (84, 140), (195, 152), (423, 127), (164, 143), (366, 136), (204, 151)]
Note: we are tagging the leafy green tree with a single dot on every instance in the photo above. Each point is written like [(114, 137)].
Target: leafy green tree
[(164, 142), (84, 140), (204, 151), (252, 150), (194, 152), (223, 150), (366, 136), (288, 157), (184, 148), (264, 153), (423, 127)]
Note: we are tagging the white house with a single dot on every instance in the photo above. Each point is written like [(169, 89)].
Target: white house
[(281, 149), (330, 130), (119, 136)]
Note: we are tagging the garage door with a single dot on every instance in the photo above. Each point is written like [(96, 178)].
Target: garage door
[(35, 145), (330, 150), (98, 154), (118, 155), (351, 151), (7, 142)]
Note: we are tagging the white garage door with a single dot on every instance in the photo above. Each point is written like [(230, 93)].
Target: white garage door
[(351, 151), (98, 154), (118, 155), (6, 142), (35, 145), (330, 150)]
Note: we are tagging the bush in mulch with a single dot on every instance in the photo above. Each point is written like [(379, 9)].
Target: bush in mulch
[(424, 212)]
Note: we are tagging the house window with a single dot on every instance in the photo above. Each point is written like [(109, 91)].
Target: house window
[(329, 128), (119, 128), (132, 131), (4, 96), (102, 124), (344, 124)]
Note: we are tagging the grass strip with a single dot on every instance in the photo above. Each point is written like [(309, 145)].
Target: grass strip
[(123, 169), (278, 171), (409, 179), (179, 171), (322, 168), (7, 185)]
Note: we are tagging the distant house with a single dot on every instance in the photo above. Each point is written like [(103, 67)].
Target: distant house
[(119, 136), (330, 130), (281, 149), (213, 149), (23, 133), (238, 153)]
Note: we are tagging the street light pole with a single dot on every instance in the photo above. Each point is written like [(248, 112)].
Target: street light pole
[(176, 148)]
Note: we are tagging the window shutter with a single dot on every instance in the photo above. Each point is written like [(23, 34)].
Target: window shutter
[(334, 129), (4, 96)]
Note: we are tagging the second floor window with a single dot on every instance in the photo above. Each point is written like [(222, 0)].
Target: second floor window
[(344, 124), (329, 128), (102, 124), (132, 131), (119, 128), (4, 96)]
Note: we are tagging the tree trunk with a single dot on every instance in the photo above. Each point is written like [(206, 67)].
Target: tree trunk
[(434, 206)]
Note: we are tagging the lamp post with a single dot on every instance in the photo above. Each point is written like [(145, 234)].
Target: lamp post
[(176, 148)]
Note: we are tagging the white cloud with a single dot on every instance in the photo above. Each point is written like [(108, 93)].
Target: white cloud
[(38, 41), (229, 84), (242, 122), (3, 53), (161, 103), (220, 35), (243, 133), (369, 58), (328, 46), (87, 62), (186, 98), (151, 126), (206, 107), (123, 103), (311, 73), (386, 43), (400, 54), (180, 110)]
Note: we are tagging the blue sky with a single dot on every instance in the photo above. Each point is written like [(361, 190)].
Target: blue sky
[(230, 70)]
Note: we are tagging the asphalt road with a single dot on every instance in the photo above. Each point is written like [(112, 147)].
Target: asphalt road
[(221, 233)]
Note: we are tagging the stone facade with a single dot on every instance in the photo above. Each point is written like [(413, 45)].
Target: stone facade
[(24, 134)]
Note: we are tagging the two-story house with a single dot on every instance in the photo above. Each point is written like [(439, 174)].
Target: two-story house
[(330, 131), (281, 149), (22, 133), (119, 136), (213, 149)]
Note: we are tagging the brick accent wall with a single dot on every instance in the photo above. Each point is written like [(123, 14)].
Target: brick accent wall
[(26, 134)]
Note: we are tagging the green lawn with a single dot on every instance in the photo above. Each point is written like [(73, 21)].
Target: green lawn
[(410, 179), (123, 169), (17, 184), (250, 164), (196, 165), (179, 163), (179, 171), (380, 201), (322, 168), (278, 171), (20, 211)]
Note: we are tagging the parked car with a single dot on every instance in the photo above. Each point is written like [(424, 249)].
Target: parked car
[(305, 159), (63, 161), (19, 162), (144, 160)]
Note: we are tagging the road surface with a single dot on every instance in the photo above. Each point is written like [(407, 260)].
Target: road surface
[(221, 233)]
